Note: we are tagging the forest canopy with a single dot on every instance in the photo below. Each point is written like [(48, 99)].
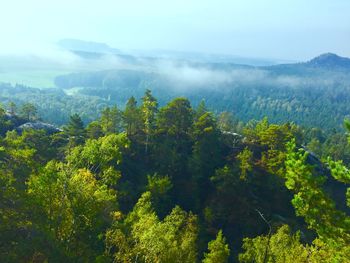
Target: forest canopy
[(172, 183)]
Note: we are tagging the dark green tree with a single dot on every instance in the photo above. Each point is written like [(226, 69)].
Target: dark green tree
[(132, 118), (29, 112), (75, 130), (312, 202), (206, 155), (246, 162), (110, 120), (94, 130), (174, 146), (149, 109)]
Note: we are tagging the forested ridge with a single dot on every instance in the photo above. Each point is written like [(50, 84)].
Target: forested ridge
[(312, 94), (172, 183)]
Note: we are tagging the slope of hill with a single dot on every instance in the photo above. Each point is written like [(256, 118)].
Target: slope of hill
[(330, 61), (304, 93)]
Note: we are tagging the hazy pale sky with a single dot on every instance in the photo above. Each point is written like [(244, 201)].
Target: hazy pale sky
[(285, 29)]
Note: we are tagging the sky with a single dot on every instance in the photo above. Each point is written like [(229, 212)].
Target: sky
[(279, 29)]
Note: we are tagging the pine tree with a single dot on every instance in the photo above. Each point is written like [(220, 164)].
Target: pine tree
[(75, 130), (29, 112), (205, 157), (201, 109), (132, 117), (110, 120), (94, 130), (149, 109), (312, 202), (246, 162)]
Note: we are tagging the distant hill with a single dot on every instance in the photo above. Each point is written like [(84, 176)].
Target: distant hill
[(86, 46), (329, 61), (325, 64)]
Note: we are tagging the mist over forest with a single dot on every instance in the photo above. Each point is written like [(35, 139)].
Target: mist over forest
[(175, 131), (302, 92)]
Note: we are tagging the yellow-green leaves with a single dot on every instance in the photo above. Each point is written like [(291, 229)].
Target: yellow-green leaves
[(144, 237), (282, 247), (218, 250), (285, 247), (339, 171), (75, 205), (101, 156)]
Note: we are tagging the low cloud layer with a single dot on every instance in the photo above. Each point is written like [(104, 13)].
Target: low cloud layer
[(177, 74)]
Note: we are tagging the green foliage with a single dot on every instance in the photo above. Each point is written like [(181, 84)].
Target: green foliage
[(160, 188), (310, 200), (175, 119), (74, 204), (339, 171), (201, 109), (74, 195), (228, 122), (272, 139), (311, 104), (101, 156), (206, 153), (245, 157), (347, 124), (271, 135), (173, 147), (19, 155), (12, 107), (110, 120), (148, 239), (4, 123), (94, 130), (158, 185), (132, 118), (75, 130), (15, 165), (53, 105), (218, 250), (29, 112), (327, 144), (149, 109), (285, 247)]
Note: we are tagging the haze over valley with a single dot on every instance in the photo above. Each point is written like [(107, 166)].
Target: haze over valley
[(250, 88), (175, 131)]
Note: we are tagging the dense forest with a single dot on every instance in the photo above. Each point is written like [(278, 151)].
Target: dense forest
[(167, 182), (304, 93)]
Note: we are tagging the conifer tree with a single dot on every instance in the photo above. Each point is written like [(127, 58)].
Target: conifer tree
[(132, 118), (75, 130), (149, 109)]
